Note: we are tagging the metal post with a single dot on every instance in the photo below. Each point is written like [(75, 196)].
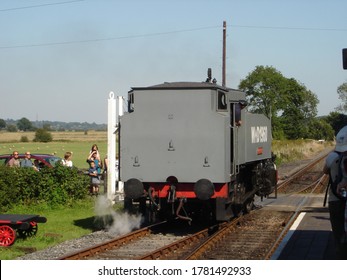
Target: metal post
[(120, 102), (111, 147)]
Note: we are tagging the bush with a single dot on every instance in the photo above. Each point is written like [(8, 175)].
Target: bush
[(55, 186), (24, 139), (42, 135)]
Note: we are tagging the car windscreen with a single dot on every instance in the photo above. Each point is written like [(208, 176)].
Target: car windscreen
[(53, 160)]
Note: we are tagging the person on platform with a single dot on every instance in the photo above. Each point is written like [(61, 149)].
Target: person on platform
[(336, 167)]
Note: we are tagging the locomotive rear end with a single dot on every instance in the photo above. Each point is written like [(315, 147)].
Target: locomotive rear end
[(182, 149)]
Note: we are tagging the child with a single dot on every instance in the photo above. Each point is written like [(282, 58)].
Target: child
[(67, 159), (94, 178)]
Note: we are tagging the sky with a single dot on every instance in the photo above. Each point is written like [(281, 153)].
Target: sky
[(60, 59)]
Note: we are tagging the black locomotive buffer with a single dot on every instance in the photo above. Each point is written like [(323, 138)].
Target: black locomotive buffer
[(12, 225)]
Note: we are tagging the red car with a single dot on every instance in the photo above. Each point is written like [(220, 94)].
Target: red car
[(45, 160)]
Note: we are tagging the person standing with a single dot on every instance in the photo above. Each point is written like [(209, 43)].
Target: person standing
[(14, 161), (94, 179), (94, 155), (67, 161), (336, 167)]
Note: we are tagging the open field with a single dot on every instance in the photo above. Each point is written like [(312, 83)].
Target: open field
[(81, 136), (79, 143)]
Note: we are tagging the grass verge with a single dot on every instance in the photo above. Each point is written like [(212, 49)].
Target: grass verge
[(63, 223)]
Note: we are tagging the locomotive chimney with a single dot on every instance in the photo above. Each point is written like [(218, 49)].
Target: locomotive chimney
[(209, 75)]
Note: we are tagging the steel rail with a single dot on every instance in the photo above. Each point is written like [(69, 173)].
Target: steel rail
[(195, 238), (114, 243), (302, 171)]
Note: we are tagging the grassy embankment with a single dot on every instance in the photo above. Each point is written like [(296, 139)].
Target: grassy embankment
[(294, 150), (68, 223)]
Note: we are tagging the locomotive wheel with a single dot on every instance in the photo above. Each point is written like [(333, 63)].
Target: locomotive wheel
[(7, 235), (31, 231)]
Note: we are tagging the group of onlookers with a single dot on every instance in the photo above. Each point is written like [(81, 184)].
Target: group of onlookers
[(26, 162), (93, 159)]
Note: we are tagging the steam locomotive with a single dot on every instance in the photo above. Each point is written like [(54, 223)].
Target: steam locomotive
[(191, 149)]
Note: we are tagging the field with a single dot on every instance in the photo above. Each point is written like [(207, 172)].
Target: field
[(79, 143)]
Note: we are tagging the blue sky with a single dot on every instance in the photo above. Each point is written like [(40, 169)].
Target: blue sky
[(60, 59)]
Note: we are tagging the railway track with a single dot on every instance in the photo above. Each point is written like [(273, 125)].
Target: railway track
[(145, 243), (248, 237)]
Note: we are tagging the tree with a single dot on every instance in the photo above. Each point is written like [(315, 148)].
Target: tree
[(42, 135), (320, 129), (299, 110), (24, 124), (336, 121), (2, 124), (263, 88), (342, 92), (288, 103), (11, 128)]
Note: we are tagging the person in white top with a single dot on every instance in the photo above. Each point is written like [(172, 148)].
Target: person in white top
[(67, 161)]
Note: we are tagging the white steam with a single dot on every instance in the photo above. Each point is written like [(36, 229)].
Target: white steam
[(115, 222)]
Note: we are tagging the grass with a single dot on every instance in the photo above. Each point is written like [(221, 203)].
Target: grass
[(78, 143), (293, 150), (64, 223)]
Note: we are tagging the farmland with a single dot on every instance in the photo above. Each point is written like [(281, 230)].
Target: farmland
[(79, 143)]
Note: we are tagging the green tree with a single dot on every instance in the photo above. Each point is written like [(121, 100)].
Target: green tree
[(24, 124), (336, 121), (342, 92), (320, 129), (288, 103), (11, 128), (2, 124), (263, 88), (42, 135), (299, 110)]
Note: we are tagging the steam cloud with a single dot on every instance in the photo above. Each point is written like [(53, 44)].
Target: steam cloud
[(114, 222)]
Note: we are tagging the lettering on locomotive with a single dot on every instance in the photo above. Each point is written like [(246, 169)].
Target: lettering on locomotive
[(259, 134)]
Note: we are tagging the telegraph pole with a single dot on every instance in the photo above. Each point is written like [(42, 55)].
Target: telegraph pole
[(224, 52)]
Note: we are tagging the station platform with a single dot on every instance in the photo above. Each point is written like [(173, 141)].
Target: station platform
[(310, 236)]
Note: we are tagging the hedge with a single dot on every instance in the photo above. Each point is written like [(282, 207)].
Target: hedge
[(56, 186)]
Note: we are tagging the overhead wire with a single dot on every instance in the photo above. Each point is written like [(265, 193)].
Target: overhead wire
[(166, 33), (289, 28), (39, 5), (107, 39)]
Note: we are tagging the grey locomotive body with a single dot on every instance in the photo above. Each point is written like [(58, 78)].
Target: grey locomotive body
[(187, 147)]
